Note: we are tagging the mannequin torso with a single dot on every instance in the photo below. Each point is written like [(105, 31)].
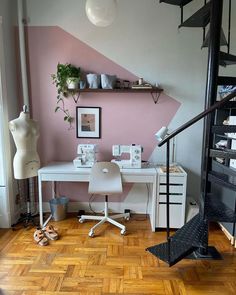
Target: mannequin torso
[(25, 132)]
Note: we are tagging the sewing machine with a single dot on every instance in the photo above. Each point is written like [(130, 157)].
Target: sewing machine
[(134, 152), (86, 155)]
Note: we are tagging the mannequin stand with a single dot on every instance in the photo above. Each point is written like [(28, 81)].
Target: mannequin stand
[(27, 219)]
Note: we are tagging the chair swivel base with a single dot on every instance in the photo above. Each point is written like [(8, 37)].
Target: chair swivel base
[(104, 219)]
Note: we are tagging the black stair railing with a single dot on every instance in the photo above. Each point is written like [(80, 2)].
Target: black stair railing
[(166, 141), (229, 25), (217, 105)]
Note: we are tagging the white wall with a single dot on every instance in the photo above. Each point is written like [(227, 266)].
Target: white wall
[(9, 103), (145, 40)]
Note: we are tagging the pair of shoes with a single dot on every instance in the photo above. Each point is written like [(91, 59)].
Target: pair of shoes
[(41, 236), (50, 232)]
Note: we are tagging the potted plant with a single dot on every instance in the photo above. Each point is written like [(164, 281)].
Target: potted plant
[(66, 80)]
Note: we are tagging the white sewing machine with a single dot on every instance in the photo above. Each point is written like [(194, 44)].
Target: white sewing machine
[(86, 155), (134, 152)]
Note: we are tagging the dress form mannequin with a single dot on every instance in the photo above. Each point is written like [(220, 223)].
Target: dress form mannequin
[(25, 132)]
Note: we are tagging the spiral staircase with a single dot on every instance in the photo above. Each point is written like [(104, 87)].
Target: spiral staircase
[(192, 239)]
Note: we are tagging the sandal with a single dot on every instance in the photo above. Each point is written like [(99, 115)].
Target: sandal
[(40, 238), (50, 232)]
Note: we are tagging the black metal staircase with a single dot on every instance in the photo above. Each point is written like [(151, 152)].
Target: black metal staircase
[(199, 19), (227, 59), (177, 2), (223, 41), (193, 236)]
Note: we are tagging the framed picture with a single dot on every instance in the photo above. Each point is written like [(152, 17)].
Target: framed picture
[(88, 121)]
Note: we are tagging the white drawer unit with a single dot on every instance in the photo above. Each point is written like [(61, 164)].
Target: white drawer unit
[(177, 197)]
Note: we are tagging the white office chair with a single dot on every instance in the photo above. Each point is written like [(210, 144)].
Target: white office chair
[(105, 179)]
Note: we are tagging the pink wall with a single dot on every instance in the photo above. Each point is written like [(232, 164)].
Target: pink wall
[(126, 118)]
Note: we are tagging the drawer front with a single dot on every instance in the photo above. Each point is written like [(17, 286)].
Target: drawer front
[(176, 216), (174, 189), (138, 178), (65, 177), (173, 199), (173, 179)]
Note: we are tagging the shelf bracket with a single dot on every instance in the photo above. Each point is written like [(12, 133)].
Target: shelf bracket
[(76, 97), (155, 96)]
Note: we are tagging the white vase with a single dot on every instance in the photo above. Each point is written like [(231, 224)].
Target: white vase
[(108, 81), (93, 81), (72, 83)]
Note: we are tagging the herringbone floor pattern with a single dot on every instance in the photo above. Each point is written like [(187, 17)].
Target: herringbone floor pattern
[(108, 263)]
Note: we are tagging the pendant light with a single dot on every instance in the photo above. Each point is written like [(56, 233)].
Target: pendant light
[(101, 13)]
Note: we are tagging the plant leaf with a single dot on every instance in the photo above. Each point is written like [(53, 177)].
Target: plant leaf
[(70, 119)]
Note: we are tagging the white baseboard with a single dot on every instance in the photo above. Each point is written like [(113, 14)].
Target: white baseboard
[(118, 207), (5, 220), (228, 235), (5, 215)]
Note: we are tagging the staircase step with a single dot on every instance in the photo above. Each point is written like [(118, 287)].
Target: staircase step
[(186, 239), (225, 153), (218, 211), (199, 19), (225, 180), (193, 233), (225, 80), (223, 129), (227, 59), (176, 2), (171, 253), (223, 41)]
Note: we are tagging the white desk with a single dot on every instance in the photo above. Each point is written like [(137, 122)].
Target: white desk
[(65, 171)]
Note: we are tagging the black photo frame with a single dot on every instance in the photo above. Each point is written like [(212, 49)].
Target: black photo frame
[(88, 122)]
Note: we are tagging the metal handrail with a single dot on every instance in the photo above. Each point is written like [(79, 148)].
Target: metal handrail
[(211, 109)]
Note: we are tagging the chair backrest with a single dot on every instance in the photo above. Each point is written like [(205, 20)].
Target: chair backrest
[(105, 179)]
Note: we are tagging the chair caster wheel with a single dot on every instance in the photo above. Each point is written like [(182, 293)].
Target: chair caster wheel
[(123, 232), (81, 220), (91, 234)]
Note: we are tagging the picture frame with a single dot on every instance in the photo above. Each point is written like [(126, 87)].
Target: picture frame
[(88, 122)]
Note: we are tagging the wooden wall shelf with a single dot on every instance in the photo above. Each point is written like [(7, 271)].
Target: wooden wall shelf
[(155, 91)]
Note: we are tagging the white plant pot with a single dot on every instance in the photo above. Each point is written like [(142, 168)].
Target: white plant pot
[(72, 83)]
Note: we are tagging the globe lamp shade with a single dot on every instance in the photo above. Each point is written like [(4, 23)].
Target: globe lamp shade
[(101, 13)]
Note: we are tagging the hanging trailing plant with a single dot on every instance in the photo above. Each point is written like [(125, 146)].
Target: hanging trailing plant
[(66, 81)]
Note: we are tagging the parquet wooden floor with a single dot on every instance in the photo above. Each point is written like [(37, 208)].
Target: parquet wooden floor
[(108, 263)]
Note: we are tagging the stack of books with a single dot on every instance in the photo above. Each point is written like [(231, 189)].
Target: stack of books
[(142, 86), (172, 169)]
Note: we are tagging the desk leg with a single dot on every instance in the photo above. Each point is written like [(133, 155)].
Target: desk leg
[(40, 201), (153, 209), (53, 190), (53, 196)]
